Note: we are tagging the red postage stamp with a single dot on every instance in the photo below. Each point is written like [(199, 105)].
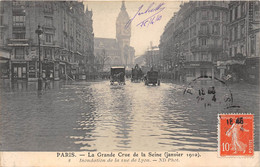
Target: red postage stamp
[(236, 135)]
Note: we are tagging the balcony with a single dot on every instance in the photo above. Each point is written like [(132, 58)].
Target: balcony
[(206, 48), (18, 29), (48, 27), (18, 42)]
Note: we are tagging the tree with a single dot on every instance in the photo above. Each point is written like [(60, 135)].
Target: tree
[(126, 52), (103, 58)]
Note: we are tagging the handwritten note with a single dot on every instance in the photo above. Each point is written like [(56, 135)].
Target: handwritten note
[(153, 13)]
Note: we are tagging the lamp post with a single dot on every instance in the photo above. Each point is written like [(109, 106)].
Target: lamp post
[(39, 32), (126, 54)]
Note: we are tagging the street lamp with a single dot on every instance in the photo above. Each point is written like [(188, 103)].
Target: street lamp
[(39, 32)]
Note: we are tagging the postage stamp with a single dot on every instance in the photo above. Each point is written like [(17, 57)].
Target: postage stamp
[(235, 135)]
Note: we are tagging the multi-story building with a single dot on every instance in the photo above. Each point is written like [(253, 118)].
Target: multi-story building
[(244, 36), (116, 51), (195, 38), (170, 46), (66, 45), (152, 58)]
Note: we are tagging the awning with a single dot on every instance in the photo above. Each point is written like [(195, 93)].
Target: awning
[(3, 61), (4, 54)]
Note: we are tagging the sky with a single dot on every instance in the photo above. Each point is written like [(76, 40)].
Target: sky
[(105, 14)]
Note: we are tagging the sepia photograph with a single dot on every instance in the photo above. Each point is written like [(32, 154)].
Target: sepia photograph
[(151, 80)]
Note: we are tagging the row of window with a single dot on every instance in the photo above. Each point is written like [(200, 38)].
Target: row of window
[(204, 29), (49, 39), (18, 20), (237, 32), (205, 15), (208, 14), (20, 53), (48, 8), (47, 53), (241, 49), (204, 42), (200, 57), (18, 3), (235, 50), (237, 12)]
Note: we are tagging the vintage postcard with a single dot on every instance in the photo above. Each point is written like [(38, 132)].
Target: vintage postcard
[(129, 83)]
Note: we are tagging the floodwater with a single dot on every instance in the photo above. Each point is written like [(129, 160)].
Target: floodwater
[(95, 116)]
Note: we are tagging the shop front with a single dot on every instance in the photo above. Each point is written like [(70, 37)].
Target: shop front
[(56, 75), (252, 69), (62, 70), (196, 69), (4, 64), (4, 68), (19, 70), (48, 69)]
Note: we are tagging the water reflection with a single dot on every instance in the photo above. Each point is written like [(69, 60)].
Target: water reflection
[(122, 115), (95, 116)]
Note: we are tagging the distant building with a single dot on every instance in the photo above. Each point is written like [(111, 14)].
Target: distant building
[(111, 52), (66, 44), (107, 53), (194, 39), (151, 58)]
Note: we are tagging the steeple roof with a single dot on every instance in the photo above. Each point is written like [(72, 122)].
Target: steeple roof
[(123, 6), (123, 15)]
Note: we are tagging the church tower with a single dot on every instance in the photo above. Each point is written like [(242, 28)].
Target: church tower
[(123, 34)]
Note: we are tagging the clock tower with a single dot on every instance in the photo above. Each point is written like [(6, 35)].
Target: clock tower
[(123, 34)]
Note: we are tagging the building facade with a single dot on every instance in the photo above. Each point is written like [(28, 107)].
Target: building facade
[(107, 53), (66, 45), (244, 36), (150, 59), (195, 38), (116, 51)]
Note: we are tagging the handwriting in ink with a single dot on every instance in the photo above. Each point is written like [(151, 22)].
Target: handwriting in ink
[(151, 19)]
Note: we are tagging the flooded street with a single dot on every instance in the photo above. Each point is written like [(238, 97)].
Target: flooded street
[(95, 116)]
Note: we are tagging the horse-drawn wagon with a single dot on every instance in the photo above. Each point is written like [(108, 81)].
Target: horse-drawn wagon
[(137, 74)]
